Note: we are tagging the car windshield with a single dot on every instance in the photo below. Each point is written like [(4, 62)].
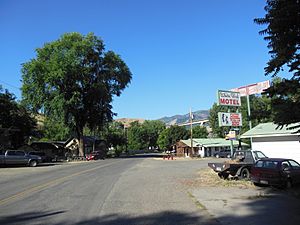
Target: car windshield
[(259, 155)]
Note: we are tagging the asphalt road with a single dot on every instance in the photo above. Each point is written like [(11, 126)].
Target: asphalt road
[(116, 191)]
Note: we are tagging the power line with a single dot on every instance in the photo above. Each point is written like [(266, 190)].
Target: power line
[(10, 85)]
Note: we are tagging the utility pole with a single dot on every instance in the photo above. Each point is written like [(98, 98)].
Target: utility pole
[(191, 121), (249, 114)]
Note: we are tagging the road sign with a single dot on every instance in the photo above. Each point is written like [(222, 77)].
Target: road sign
[(252, 89), (230, 119), (231, 135), (229, 98)]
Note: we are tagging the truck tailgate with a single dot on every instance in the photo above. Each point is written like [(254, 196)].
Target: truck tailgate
[(219, 167)]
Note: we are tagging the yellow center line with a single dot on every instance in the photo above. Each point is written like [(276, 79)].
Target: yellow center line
[(46, 185)]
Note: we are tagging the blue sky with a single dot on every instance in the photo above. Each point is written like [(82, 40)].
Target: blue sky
[(180, 52)]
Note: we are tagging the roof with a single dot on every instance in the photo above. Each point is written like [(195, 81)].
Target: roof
[(211, 142), (269, 130), (275, 159)]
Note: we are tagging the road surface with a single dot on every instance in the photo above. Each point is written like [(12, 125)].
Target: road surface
[(137, 190)]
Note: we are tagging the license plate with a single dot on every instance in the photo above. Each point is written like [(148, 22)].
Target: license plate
[(218, 169), (264, 182)]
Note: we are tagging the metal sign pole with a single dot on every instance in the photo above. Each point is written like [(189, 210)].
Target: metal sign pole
[(249, 114)]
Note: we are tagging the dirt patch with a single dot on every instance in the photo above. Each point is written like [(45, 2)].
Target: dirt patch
[(209, 178)]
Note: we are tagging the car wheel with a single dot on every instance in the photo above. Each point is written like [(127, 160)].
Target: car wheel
[(217, 156), (245, 174), (33, 163), (228, 156)]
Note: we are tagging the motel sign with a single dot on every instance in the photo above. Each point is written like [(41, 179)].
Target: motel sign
[(229, 98)]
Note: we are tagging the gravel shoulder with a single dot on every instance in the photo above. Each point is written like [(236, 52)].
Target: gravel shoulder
[(240, 202)]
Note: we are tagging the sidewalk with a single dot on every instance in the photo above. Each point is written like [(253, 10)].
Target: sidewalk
[(249, 206)]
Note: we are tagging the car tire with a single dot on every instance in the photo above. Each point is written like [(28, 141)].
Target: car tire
[(228, 156), (245, 174), (33, 163), (217, 156)]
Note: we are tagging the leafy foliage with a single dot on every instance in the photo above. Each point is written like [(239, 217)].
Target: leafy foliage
[(283, 36), (15, 120), (115, 135), (74, 77), (171, 135), (136, 137), (200, 132), (143, 136)]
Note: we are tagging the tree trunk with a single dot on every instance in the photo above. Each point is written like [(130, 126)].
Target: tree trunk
[(81, 146)]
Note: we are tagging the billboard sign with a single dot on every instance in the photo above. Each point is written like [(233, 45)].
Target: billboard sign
[(229, 98), (230, 119), (231, 135), (252, 89)]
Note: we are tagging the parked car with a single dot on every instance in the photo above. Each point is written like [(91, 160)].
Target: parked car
[(94, 156), (18, 157), (45, 158), (276, 172), (223, 154)]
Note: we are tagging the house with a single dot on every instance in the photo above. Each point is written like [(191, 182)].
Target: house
[(90, 143), (205, 147), (275, 142)]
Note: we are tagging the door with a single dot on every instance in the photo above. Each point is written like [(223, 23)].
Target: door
[(295, 171), (15, 157)]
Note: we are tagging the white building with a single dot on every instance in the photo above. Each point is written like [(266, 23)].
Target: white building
[(275, 142)]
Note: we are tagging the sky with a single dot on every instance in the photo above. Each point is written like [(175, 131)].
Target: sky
[(180, 52)]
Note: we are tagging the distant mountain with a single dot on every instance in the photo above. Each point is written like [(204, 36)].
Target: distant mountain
[(127, 121), (177, 119)]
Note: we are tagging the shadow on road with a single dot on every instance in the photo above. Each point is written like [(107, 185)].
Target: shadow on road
[(145, 155), (27, 218), (165, 218)]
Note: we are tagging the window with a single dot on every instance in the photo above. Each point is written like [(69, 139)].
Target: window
[(270, 164), (259, 164), (11, 153), (20, 153), (259, 155), (266, 164), (294, 164), (285, 165)]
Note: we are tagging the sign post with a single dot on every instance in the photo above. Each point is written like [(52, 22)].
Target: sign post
[(252, 89), (229, 98)]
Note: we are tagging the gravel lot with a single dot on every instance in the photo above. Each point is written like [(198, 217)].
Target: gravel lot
[(240, 202)]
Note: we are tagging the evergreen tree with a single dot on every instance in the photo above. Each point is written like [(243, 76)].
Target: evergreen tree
[(283, 35)]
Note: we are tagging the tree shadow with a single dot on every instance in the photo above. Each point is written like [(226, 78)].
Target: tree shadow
[(165, 218), (27, 218), (143, 155)]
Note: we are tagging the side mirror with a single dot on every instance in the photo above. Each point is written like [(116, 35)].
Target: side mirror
[(286, 169)]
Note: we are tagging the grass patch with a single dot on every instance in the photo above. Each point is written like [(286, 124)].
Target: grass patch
[(208, 178)]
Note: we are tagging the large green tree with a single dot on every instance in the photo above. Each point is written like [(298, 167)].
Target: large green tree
[(76, 77), (282, 21), (115, 135), (145, 135), (200, 132), (15, 121), (136, 136), (171, 135)]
